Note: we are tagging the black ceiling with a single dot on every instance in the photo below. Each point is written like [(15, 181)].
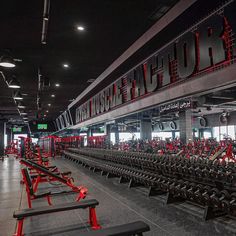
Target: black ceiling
[(110, 28)]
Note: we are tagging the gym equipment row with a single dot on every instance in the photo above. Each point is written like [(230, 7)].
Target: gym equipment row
[(208, 183)]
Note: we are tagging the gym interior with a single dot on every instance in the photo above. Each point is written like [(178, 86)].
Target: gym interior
[(118, 118)]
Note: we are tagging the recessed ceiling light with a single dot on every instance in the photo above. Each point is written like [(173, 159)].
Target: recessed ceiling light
[(49, 104), (47, 111), (80, 28), (53, 95), (66, 65), (57, 85)]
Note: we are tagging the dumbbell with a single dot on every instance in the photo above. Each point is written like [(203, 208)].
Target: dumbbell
[(184, 189), (178, 187), (214, 198), (190, 191), (229, 205), (197, 195)]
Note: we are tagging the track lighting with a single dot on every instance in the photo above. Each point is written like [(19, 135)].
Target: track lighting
[(13, 83), (20, 105), (17, 95), (7, 61)]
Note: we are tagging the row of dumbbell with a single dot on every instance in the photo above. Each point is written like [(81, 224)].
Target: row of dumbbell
[(186, 168), (142, 157), (205, 195)]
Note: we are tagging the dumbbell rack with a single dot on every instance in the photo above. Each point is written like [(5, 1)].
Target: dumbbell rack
[(208, 183)]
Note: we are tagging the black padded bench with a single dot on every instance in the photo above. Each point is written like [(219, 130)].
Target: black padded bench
[(20, 215), (130, 229)]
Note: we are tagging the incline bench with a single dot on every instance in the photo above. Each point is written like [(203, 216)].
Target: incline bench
[(31, 194), (20, 215), (130, 229)]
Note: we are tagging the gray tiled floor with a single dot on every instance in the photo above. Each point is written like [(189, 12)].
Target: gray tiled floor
[(10, 194), (117, 205)]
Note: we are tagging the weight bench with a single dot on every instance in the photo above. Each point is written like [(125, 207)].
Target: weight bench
[(31, 192), (20, 215), (130, 229), (82, 191)]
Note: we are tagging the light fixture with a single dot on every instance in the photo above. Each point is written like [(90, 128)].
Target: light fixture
[(80, 28), (66, 65), (53, 95), (49, 104), (17, 95), (57, 85), (7, 61), (13, 83), (47, 111), (20, 105)]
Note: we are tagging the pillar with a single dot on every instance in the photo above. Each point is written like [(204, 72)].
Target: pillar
[(173, 135), (9, 135), (2, 135), (186, 126), (117, 136), (107, 132), (146, 129), (89, 132)]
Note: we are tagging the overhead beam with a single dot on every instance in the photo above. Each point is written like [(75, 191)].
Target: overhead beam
[(172, 14)]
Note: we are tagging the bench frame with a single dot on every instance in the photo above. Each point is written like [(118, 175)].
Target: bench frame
[(92, 221), (81, 190)]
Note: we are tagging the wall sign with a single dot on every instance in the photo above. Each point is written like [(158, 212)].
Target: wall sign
[(175, 106), (208, 47)]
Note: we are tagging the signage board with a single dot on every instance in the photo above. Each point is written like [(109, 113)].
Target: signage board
[(206, 47)]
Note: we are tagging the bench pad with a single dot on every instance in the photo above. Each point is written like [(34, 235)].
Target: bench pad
[(129, 229), (57, 208)]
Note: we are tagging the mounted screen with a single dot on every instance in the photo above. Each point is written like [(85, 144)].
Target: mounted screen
[(17, 129), (42, 126)]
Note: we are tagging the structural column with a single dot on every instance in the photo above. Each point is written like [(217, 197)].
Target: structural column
[(117, 136), (89, 132), (2, 135), (186, 126), (107, 132), (146, 129)]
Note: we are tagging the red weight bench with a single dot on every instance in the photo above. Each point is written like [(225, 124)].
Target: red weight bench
[(21, 215)]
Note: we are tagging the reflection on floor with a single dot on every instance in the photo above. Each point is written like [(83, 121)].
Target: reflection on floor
[(117, 205)]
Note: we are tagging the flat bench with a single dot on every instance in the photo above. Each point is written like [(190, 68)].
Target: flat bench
[(130, 229), (20, 215)]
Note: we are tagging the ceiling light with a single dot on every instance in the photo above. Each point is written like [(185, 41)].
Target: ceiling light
[(13, 83), (80, 28), (57, 85), (53, 95), (20, 105), (65, 65), (17, 95), (7, 61), (49, 104), (47, 111)]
